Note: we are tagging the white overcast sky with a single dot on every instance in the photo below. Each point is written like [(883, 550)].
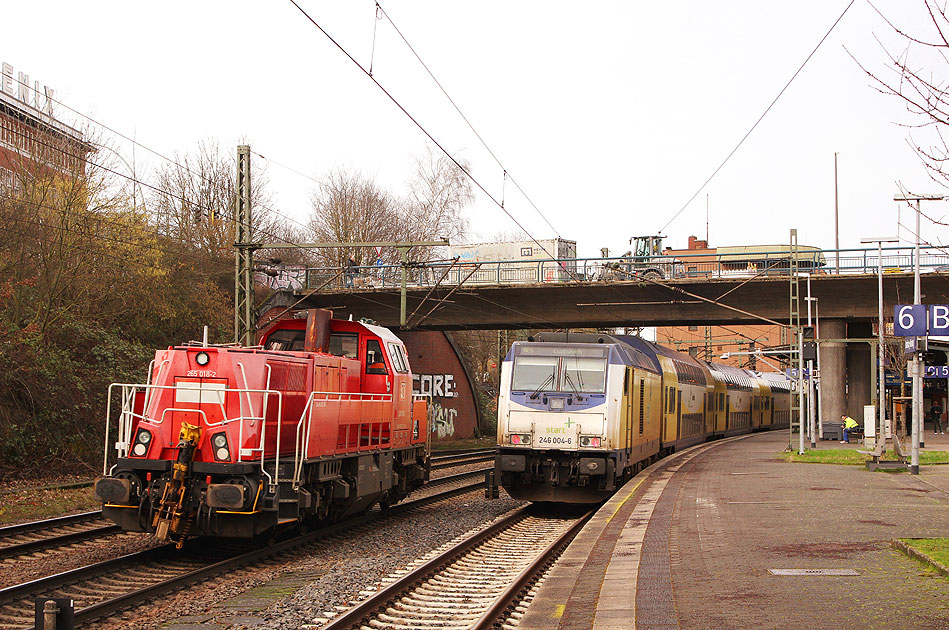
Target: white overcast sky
[(610, 115)]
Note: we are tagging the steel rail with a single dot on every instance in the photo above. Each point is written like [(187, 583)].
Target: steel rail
[(31, 546), (463, 462), (475, 453), (44, 585), (510, 595), (23, 528), (456, 477), (360, 614)]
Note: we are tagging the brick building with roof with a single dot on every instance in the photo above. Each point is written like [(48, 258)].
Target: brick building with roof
[(32, 141)]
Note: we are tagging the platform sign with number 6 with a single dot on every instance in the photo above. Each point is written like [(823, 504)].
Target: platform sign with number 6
[(909, 320)]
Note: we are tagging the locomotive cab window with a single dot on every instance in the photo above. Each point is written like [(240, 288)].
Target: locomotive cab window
[(375, 361), (344, 345), (532, 373), (398, 358), (286, 340), (583, 374)]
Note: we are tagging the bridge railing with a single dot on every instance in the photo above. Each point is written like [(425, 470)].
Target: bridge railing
[(677, 267)]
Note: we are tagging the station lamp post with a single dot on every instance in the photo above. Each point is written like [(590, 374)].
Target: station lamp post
[(881, 375), (917, 366), (811, 402)]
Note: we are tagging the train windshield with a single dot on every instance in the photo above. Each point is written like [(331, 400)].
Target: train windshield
[(569, 369), (581, 374), (532, 373)]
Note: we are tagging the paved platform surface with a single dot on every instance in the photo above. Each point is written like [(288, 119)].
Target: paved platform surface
[(690, 542)]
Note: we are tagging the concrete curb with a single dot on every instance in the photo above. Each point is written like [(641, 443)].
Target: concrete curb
[(919, 555)]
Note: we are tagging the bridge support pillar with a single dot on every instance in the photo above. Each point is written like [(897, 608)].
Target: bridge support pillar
[(859, 387), (833, 375)]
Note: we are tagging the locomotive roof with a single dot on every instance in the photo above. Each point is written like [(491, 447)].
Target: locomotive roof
[(688, 368), (629, 353), (731, 374)]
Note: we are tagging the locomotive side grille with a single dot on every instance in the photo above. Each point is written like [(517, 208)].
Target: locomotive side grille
[(642, 403), (287, 376)]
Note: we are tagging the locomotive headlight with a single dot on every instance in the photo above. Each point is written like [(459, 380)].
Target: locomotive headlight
[(591, 441), (219, 442), (202, 358), (140, 446), (520, 438), (557, 404)]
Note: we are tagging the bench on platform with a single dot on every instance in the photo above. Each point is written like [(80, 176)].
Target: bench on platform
[(833, 431)]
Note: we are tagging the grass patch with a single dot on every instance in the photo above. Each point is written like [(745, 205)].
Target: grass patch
[(826, 456), (485, 442), (935, 548), (33, 504), (851, 457)]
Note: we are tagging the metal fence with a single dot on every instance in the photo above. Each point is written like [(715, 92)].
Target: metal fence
[(679, 267)]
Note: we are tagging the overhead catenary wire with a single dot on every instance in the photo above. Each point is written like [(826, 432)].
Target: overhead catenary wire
[(85, 160), (421, 127), (507, 175), (415, 121), (760, 118), (136, 143)]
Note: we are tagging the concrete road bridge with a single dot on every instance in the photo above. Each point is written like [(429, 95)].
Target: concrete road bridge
[(702, 301), (562, 294)]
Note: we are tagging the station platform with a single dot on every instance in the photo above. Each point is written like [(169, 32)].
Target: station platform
[(728, 535)]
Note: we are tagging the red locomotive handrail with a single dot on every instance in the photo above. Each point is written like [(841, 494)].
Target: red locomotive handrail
[(127, 415)]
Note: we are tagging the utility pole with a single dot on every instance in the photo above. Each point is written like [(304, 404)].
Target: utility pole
[(795, 321), (244, 254), (836, 218), (916, 369), (811, 403)]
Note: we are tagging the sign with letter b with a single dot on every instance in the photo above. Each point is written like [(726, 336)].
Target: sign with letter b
[(939, 319)]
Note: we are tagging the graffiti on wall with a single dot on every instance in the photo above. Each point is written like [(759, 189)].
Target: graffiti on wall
[(434, 385), (281, 276), (441, 419)]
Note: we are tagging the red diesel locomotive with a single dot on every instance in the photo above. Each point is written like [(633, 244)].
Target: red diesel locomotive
[(317, 422)]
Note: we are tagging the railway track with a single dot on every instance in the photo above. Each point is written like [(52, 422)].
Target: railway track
[(462, 459), (105, 587), (472, 585), (28, 538)]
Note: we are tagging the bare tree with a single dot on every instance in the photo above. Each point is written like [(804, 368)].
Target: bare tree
[(195, 201), (437, 195), (349, 208), (920, 82)]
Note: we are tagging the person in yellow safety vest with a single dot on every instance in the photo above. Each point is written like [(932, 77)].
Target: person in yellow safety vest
[(848, 425)]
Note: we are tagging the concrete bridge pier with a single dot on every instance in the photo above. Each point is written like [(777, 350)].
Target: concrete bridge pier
[(833, 372), (859, 388)]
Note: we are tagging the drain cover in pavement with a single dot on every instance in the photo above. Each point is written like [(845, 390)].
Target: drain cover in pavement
[(812, 572)]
